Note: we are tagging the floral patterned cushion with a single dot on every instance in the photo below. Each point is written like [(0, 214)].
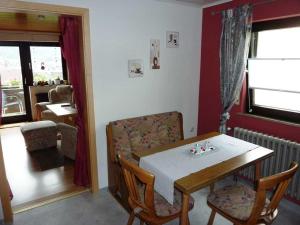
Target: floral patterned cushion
[(145, 132), (236, 201), (163, 207)]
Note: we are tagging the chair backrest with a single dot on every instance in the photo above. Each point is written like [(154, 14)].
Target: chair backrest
[(279, 183), (61, 94), (139, 201)]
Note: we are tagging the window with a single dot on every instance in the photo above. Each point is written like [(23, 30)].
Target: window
[(274, 70), (46, 63)]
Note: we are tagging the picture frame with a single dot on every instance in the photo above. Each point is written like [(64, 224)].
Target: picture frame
[(172, 39), (135, 68), (155, 54)]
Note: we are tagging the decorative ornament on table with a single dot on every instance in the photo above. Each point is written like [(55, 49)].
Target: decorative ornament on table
[(199, 149)]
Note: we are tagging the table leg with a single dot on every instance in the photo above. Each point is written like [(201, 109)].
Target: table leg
[(257, 173), (185, 209), (212, 187)]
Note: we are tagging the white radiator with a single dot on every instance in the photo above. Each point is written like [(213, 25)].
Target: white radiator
[(285, 152)]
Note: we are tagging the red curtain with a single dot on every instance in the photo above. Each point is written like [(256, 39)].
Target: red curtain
[(70, 44)]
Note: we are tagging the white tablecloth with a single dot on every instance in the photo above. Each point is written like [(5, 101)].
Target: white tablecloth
[(173, 164)]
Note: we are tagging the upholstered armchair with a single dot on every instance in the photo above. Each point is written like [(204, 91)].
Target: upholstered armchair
[(60, 94), (68, 139)]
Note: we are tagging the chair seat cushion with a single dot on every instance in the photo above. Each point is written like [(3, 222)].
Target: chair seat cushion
[(162, 206), (236, 201)]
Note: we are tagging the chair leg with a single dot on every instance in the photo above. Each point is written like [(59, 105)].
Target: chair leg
[(211, 218), (131, 218), (235, 178)]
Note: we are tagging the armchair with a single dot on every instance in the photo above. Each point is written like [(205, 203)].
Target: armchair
[(60, 94), (68, 139)]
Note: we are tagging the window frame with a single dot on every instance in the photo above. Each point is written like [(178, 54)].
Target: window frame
[(284, 115)]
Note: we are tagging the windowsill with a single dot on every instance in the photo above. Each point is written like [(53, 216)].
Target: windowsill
[(269, 119)]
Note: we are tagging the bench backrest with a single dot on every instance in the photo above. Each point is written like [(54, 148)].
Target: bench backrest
[(143, 132)]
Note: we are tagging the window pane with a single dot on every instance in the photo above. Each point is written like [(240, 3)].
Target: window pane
[(279, 100), (46, 63), (280, 43), (274, 74)]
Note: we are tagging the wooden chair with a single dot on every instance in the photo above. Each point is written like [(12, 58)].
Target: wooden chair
[(242, 205), (145, 203)]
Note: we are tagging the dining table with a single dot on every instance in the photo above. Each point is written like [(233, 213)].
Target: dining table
[(202, 178)]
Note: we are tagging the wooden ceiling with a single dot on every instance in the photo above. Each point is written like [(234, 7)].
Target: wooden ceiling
[(29, 22)]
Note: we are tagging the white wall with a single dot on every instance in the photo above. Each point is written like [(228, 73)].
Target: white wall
[(121, 30)]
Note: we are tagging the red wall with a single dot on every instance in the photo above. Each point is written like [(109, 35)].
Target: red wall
[(209, 94)]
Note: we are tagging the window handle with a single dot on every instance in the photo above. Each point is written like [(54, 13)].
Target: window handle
[(29, 64)]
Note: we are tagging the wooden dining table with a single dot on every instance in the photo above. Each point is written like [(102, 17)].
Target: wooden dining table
[(208, 176)]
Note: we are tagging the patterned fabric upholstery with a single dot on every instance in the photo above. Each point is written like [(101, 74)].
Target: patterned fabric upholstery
[(68, 139), (43, 134), (236, 201), (39, 135), (163, 207), (59, 94), (145, 132)]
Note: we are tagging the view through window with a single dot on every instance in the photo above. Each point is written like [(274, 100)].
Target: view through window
[(274, 71), (11, 82), (46, 63)]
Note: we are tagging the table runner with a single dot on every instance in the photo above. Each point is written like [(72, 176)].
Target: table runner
[(173, 164)]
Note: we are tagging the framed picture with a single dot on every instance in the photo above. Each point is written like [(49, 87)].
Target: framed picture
[(155, 54), (172, 39), (135, 68)]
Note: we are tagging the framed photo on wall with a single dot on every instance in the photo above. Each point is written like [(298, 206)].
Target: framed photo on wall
[(135, 68), (155, 54), (172, 39)]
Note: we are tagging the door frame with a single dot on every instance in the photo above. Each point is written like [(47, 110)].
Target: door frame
[(83, 13)]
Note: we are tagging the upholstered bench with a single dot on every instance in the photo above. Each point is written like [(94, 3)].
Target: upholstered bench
[(40, 135), (127, 135)]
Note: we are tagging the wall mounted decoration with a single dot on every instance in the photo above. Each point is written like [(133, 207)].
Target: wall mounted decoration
[(135, 68), (155, 54), (172, 39)]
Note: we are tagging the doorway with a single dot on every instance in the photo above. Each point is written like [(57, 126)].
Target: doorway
[(24, 64), (19, 6)]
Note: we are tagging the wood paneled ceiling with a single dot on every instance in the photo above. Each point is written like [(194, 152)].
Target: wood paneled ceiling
[(29, 22)]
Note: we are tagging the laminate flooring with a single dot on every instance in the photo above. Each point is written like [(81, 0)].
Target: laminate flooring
[(28, 182)]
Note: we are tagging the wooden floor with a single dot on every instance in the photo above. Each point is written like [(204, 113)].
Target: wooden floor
[(29, 184)]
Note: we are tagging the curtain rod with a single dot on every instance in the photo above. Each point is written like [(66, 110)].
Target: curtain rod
[(254, 4)]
